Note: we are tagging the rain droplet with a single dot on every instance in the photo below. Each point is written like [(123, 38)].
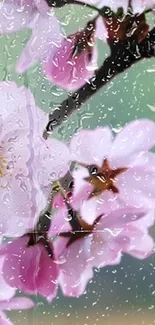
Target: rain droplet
[(6, 198), (68, 218)]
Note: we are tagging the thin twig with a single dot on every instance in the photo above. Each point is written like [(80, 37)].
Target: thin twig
[(45, 217), (104, 12)]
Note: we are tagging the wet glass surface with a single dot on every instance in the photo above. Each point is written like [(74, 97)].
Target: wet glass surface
[(119, 294)]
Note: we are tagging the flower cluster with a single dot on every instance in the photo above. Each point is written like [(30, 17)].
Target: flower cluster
[(101, 200), (67, 208), (71, 61)]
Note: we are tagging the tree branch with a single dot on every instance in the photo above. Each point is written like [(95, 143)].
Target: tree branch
[(123, 55)]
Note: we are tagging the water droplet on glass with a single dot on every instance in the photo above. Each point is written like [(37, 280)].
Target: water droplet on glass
[(6, 198)]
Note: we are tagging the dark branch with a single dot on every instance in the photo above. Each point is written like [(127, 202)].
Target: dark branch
[(123, 55), (104, 12)]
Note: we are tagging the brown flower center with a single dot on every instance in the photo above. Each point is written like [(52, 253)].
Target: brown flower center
[(103, 178)]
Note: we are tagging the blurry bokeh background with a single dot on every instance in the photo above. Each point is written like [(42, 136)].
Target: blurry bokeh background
[(120, 295)]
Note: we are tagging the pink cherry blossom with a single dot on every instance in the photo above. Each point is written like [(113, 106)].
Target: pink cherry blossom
[(6, 292), (27, 162), (74, 62), (114, 170), (29, 267), (7, 299), (77, 249), (80, 247), (35, 15)]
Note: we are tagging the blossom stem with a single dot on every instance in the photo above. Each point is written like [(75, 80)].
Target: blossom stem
[(45, 217), (123, 55), (72, 215)]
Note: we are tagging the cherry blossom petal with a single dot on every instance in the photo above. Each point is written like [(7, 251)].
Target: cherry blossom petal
[(16, 152), (43, 275), (21, 201), (104, 252), (79, 174), (60, 221), (141, 247), (82, 189), (52, 156), (59, 246), (11, 267), (134, 236), (93, 208), (75, 287), (120, 216), (17, 304), (18, 214), (103, 204), (17, 107), (14, 16), (6, 292), (43, 42), (101, 31), (88, 211), (91, 146), (42, 6), (146, 222), (34, 272), (145, 160), (58, 201), (69, 71), (136, 137), (136, 188), (140, 243), (53, 159), (73, 272)]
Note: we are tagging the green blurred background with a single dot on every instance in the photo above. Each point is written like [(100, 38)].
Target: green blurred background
[(124, 294)]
